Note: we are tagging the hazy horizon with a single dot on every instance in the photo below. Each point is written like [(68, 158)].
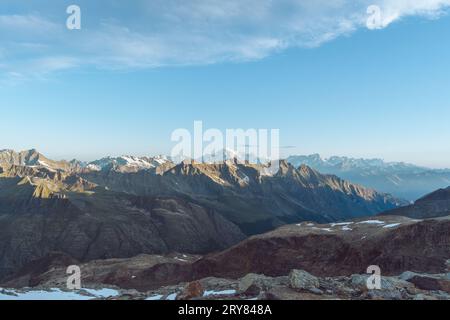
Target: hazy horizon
[(323, 157)]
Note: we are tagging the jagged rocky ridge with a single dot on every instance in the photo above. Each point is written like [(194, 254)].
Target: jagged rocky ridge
[(245, 195)]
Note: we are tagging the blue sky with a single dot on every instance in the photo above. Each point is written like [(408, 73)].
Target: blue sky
[(138, 71)]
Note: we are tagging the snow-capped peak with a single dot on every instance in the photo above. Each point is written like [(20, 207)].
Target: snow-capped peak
[(127, 162)]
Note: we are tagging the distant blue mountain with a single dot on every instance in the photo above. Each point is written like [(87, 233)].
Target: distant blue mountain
[(400, 179)]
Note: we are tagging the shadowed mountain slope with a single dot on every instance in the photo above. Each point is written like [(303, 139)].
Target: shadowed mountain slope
[(436, 204)]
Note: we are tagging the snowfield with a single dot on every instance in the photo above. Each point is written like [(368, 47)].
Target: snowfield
[(57, 294), (372, 222)]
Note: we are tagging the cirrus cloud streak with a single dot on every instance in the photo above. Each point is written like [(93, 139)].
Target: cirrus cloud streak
[(160, 33)]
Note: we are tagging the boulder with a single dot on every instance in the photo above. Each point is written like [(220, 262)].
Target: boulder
[(253, 284), (302, 280), (191, 291)]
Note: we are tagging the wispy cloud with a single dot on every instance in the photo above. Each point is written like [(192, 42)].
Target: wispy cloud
[(184, 32), (29, 23)]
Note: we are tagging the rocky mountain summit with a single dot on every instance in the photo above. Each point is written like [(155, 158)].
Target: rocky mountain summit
[(128, 163), (32, 158)]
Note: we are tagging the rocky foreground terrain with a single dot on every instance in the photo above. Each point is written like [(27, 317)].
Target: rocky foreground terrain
[(413, 255), (301, 285), (297, 285)]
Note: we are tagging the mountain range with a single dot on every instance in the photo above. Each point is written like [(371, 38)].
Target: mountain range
[(152, 228), (122, 207), (403, 180)]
